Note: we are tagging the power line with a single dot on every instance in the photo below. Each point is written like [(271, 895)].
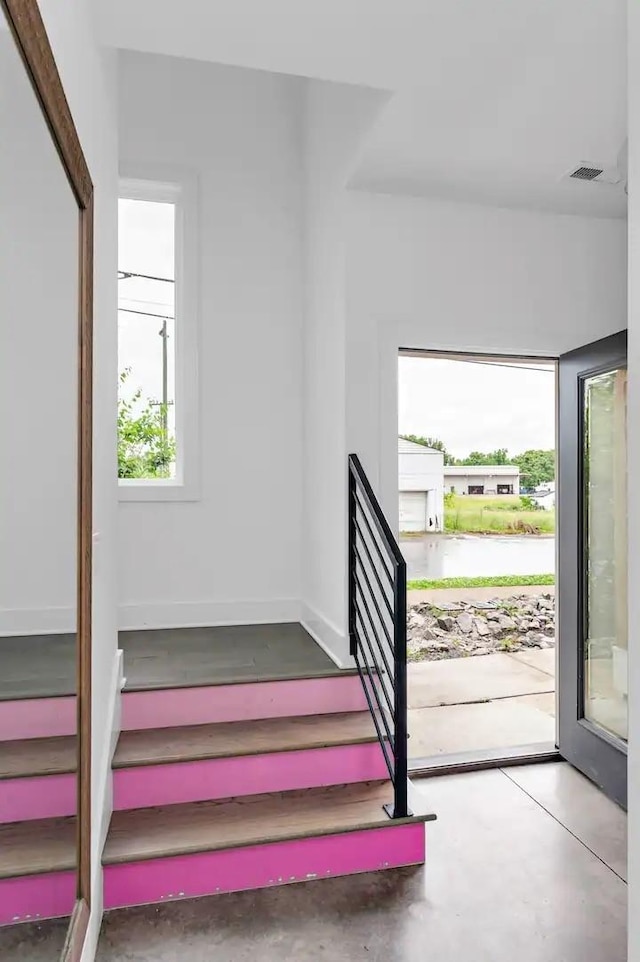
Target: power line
[(125, 275), (163, 317)]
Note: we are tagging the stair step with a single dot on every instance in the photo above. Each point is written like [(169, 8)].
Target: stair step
[(174, 706), (31, 757), (38, 846), (38, 876), (233, 739), (38, 779), (173, 830)]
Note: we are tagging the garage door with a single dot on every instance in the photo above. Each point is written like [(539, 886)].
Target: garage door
[(413, 510)]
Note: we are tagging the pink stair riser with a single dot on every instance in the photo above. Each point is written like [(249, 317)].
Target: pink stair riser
[(261, 866), (171, 707), (196, 781), (43, 796), (30, 897), (37, 718)]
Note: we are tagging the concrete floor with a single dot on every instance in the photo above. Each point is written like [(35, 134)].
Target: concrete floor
[(481, 703), (524, 863), (33, 941)]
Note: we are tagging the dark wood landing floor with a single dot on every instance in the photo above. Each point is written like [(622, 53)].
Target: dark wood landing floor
[(40, 666), (37, 666), (186, 657)]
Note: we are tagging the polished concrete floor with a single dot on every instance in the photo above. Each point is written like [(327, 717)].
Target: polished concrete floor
[(33, 941), (524, 863)]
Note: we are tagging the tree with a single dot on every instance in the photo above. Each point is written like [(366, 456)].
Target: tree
[(145, 448), (536, 467), (499, 456), (431, 443)]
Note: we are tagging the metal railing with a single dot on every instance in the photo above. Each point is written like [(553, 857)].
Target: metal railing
[(378, 626)]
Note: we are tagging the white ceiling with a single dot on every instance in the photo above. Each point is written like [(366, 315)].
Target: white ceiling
[(494, 100)]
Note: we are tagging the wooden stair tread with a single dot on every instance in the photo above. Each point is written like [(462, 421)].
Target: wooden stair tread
[(228, 739), (149, 833), (38, 846), (38, 756)]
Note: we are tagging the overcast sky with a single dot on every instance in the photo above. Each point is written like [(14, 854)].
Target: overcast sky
[(145, 246), (476, 407)]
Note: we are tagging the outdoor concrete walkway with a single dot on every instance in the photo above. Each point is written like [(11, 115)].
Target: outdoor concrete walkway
[(483, 702)]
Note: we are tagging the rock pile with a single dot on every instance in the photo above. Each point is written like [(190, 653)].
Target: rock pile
[(480, 628)]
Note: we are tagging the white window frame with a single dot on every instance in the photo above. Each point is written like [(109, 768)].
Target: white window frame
[(176, 186)]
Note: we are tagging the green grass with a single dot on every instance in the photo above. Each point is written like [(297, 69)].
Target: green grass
[(483, 514), (491, 581)]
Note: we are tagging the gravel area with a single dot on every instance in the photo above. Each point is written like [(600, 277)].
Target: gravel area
[(469, 628)]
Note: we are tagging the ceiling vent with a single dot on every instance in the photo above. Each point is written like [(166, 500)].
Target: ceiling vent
[(586, 173), (594, 174)]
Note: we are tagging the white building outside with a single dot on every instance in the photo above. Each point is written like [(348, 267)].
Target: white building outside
[(421, 487), (482, 479)]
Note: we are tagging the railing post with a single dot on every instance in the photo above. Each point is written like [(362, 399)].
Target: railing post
[(401, 806), (353, 644)]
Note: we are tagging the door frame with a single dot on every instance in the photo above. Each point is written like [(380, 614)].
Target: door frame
[(505, 756)]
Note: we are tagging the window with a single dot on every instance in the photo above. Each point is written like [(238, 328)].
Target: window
[(476, 489), (505, 489), (157, 349)]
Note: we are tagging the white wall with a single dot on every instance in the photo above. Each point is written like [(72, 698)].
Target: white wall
[(38, 366), (633, 468), (234, 555), (427, 274), (336, 118), (89, 78)]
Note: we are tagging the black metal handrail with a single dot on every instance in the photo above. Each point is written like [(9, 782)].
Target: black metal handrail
[(378, 626)]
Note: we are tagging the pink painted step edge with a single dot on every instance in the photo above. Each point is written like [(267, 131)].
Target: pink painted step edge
[(261, 866), (171, 707), (32, 897), (44, 796), (196, 781), (37, 718)]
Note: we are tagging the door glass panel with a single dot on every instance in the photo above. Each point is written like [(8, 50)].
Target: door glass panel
[(605, 532)]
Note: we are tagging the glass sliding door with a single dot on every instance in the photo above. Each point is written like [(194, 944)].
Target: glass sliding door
[(592, 596), (605, 564)]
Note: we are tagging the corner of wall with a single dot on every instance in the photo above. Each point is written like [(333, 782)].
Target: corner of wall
[(332, 641)]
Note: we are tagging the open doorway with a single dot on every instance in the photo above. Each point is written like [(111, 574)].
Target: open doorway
[(477, 483)]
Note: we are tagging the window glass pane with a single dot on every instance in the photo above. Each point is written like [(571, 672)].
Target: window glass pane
[(146, 339), (605, 507)]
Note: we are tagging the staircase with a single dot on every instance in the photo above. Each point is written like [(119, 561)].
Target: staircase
[(221, 788), (37, 806), (246, 759)]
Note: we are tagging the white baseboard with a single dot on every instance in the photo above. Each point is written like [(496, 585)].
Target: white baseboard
[(333, 642), (110, 740), (37, 621), (102, 807), (206, 613)]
